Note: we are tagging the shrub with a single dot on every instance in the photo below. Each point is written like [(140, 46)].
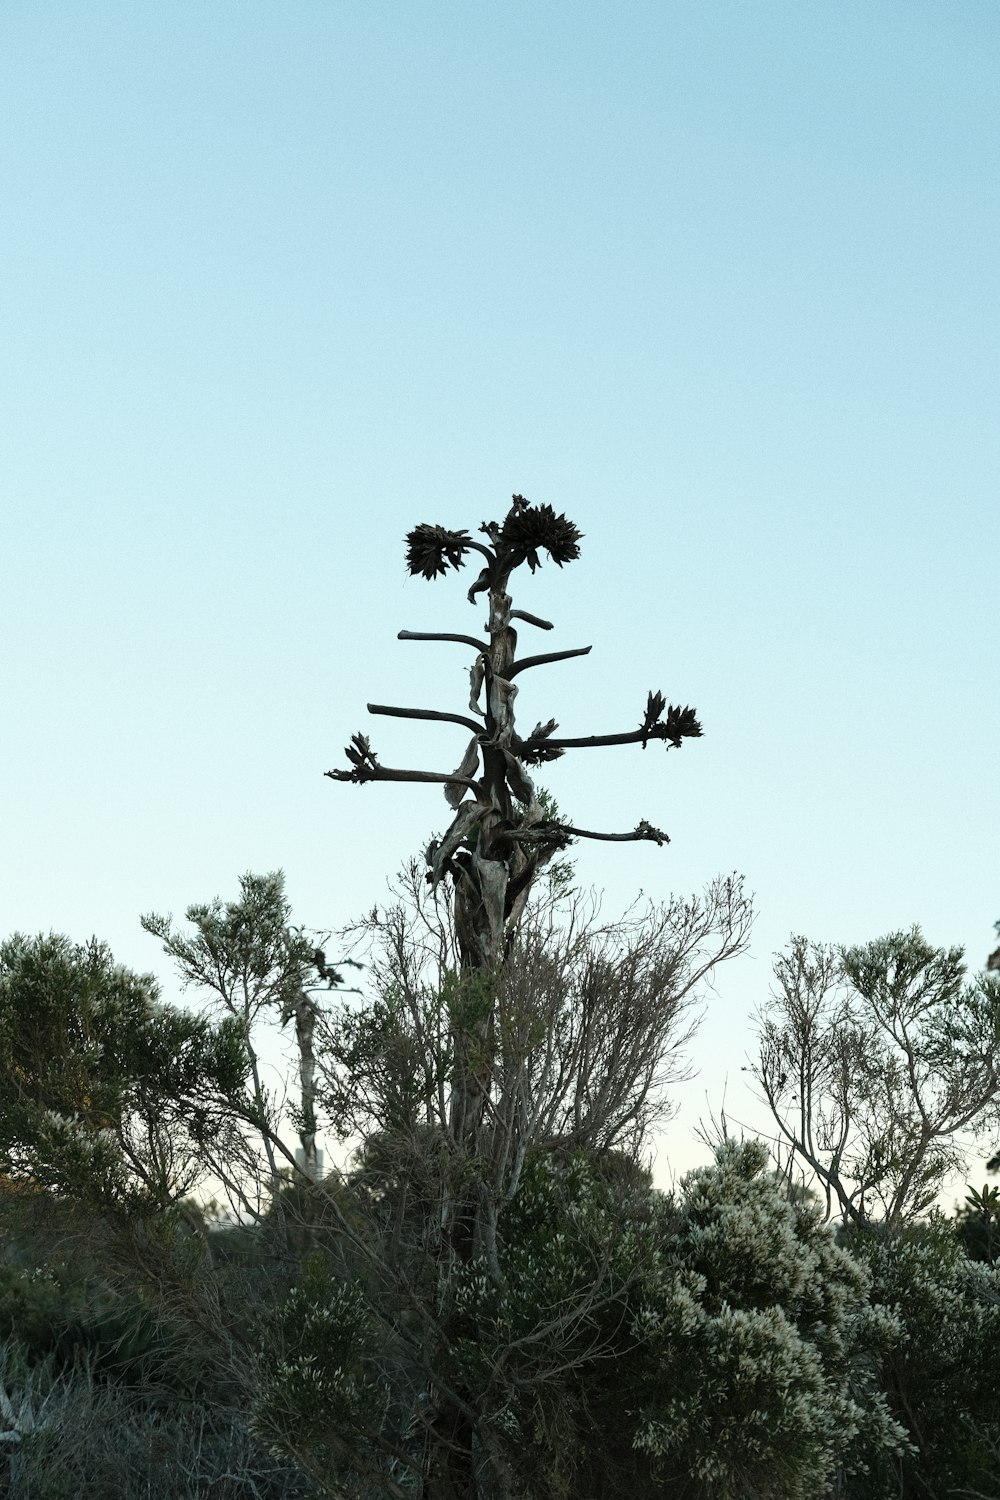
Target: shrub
[(755, 1381), (943, 1372)]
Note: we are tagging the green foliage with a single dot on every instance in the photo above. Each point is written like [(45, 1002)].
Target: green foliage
[(69, 1435), (559, 876), (469, 999), (248, 957), (873, 1060), (977, 1224), (317, 1216), (32, 1308), (716, 1345), (530, 1349), (378, 1071), (942, 1373), (594, 1337), (66, 1300), (104, 1090), (753, 1377), (566, 1239), (317, 1396), (246, 951)]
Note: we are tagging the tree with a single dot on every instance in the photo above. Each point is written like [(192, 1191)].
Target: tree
[(114, 1107), (500, 837), (106, 1092), (977, 1224), (591, 1020), (515, 1044), (248, 957), (483, 1260), (873, 1060)]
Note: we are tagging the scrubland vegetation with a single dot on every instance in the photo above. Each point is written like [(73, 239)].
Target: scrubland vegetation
[(488, 1299), (756, 1333)]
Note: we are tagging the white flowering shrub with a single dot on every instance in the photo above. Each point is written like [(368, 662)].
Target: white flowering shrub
[(317, 1398), (942, 1375), (716, 1345), (756, 1381)]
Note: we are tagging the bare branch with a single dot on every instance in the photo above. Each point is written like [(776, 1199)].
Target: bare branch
[(509, 1049), (522, 614), (424, 713), (387, 773), (642, 832), (366, 767), (585, 742), (633, 737), (434, 635), (538, 661)]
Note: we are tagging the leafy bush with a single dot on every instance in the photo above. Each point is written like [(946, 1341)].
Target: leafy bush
[(943, 1372), (317, 1399), (106, 1093), (754, 1381)]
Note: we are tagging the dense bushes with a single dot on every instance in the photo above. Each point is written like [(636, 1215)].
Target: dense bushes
[(755, 1380), (942, 1373), (725, 1344), (593, 1337), (102, 1397)]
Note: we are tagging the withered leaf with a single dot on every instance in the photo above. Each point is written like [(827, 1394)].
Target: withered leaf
[(454, 791), (477, 675), (518, 780), (431, 550), (527, 528)]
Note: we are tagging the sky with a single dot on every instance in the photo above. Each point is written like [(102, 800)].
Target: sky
[(718, 281)]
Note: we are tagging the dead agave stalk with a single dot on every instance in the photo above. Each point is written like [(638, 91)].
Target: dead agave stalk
[(500, 837)]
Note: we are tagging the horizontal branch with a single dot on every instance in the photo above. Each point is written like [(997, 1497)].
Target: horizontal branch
[(538, 661), (679, 724), (387, 773), (522, 614), (633, 737), (424, 713), (644, 831), (420, 635), (562, 833)]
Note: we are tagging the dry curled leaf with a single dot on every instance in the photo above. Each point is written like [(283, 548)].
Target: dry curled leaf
[(431, 550)]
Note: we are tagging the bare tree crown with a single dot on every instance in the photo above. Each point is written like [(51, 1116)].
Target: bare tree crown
[(501, 837)]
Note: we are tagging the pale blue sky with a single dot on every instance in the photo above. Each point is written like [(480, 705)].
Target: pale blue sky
[(719, 280)]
